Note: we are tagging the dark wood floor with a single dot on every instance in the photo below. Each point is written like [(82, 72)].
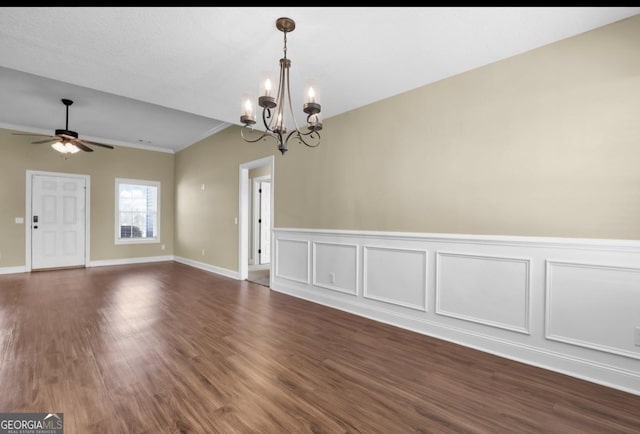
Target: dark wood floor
[(164, 347)]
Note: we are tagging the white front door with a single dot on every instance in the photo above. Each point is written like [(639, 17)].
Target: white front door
[(57, 221)]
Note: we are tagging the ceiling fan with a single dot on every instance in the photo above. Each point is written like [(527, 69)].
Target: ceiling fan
[(66, 141)]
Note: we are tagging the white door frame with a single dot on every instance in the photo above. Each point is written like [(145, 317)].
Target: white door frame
[(243, 229), (256, 203), (28, 222)]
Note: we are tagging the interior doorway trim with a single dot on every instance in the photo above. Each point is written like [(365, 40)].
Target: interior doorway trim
[(243, 213), (27, 219)]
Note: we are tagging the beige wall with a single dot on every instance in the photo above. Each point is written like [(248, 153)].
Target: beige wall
[(103, 165), (546, 143), (205, 218), (259, 171)]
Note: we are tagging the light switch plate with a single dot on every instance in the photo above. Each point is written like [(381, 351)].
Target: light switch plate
[(19, 220)]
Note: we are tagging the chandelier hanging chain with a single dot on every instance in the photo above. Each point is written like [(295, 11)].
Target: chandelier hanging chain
[(284, 49), (274, 109)]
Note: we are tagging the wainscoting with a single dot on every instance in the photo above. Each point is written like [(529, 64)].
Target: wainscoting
[(568, 305)]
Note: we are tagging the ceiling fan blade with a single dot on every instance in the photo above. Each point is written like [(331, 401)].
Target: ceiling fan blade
[(87, 142), (82, 146), (50, 139)]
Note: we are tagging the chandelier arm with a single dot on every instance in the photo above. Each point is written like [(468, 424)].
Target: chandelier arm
[(282, 84), (314, 135), (311, 134), (266, 114), (293, 116), (247, 127), (292, 133)]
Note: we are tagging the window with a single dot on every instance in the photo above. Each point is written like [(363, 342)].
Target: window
[(137, 211)]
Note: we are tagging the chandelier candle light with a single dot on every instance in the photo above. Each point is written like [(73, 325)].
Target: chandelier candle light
[(273, 107)]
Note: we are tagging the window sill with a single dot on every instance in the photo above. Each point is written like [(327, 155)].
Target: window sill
[(137, 241)]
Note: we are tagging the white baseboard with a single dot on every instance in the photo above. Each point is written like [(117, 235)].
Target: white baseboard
[(126, 261), (12, 270), (208, 267)]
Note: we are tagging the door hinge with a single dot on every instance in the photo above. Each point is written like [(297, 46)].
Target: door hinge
[(259, 220), (259, 251), (259, 190)]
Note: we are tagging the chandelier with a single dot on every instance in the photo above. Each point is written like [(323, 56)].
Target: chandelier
[(274, 107)]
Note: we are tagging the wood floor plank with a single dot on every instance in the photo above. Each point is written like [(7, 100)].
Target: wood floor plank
[(167, 348)]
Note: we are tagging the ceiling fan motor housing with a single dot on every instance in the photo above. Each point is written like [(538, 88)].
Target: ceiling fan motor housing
[(67, 133)]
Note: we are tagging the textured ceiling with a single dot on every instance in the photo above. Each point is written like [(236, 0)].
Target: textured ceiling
[(166, 77)]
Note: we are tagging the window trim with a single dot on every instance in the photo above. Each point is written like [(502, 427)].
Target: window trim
[(116, 234)]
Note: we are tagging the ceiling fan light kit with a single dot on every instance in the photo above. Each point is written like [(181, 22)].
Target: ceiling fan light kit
[(65, 148), (274, 122), (66, 141)]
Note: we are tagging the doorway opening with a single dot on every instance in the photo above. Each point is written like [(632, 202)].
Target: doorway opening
[(260, 237), (256, 220)]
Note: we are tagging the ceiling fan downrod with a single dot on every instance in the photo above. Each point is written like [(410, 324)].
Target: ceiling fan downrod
[(66, 131)]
